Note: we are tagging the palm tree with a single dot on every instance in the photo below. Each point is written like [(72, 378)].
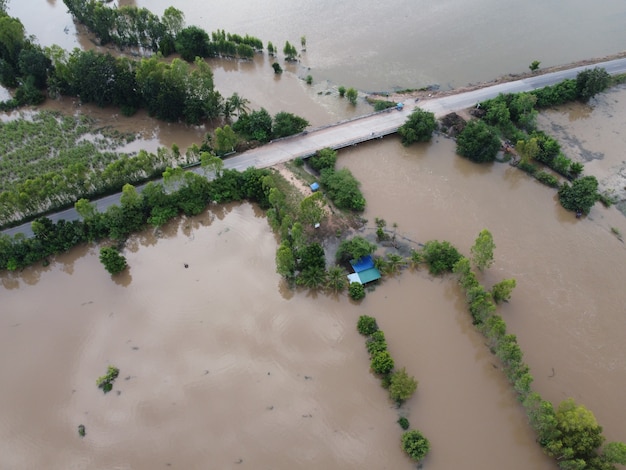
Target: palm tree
[(416, 259), (394, 263), (239, 104), (313, 277), (336, 279)]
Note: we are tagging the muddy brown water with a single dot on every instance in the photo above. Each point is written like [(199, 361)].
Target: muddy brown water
[(375, 46), (197, 344)]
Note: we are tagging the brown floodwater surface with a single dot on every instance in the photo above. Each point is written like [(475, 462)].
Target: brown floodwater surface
[(568, 307), (216, 366)]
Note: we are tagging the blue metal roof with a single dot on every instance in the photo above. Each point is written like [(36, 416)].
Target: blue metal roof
[(366, 262)]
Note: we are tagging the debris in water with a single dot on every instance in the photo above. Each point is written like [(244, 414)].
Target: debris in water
[(81, 430)]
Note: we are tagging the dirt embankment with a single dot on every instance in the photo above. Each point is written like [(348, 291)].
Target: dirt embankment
[(430, 92)]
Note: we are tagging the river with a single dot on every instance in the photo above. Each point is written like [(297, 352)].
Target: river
[(222, 367)]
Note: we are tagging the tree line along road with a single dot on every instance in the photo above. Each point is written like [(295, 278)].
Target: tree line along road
[(361, 129)]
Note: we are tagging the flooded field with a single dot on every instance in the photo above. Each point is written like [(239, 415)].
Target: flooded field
[(221, 366)]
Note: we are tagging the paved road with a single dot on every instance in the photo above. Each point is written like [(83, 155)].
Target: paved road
[(354, 131)]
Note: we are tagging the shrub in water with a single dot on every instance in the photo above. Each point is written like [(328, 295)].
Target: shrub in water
[(367, 325)]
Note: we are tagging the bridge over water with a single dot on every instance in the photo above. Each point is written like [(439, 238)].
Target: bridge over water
[(361, 129)]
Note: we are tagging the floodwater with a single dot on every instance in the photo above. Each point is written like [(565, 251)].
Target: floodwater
[(373, 45), (593, 134), (195, 346), (219, 364), (567, 309)]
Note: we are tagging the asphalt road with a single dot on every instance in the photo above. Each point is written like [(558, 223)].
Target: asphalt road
[(354, 131)]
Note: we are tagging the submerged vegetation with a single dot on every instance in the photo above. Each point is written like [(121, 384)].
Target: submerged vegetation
[(513, 116), (105, 382)]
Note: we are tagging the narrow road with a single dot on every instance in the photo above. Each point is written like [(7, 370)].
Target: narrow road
[(352, 132)]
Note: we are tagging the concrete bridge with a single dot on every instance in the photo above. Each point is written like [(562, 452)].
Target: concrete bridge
[(354, 131)]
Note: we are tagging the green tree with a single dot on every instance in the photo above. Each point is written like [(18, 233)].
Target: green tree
[(285, 261), (286, 124), (356, 291), (238, 104), (192, 42), (534, 65), (440, 256), (342, 91), (501, 292), (376, 343), (382, 363), (336, 280), (112, 260), (312, 209), (313, 277), (579, 435), (352, 95), (354, 249), (419, 127), (225, 140), (325, 158), (256, 125), (342, 189), (366, 325), (173, 20), (478, 142), (290, 51), (271, 50), (402, 386), (415, 444), (303, 42), (581, 195), (482, 251), (85, 209), (211, 164), (591, 82), (277, 68), (528, 149), (615, 453)]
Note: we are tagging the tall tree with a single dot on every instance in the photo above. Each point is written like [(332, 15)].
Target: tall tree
[(482, 251)]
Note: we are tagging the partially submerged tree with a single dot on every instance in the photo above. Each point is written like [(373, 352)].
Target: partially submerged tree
[(112, 260), (482, 251), (478, 142)]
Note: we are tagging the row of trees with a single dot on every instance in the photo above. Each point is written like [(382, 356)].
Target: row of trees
[(399, 383), (184, 193), (569, 433), (130, 26)]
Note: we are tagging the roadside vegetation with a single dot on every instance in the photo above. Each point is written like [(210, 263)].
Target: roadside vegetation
[(512, 118)]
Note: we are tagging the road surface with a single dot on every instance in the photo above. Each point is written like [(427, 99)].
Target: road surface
[(361, 129)]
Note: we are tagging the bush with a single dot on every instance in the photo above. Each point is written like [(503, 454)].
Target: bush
[(325, 158), (277, 68), (367, 325), (440, 256), (354, 249), (342, 91), (419, 127), (478, 142), (382, 363), (404, 423), (402, 386), (356, 291), (343, 189), (376, 343), (112, 260), (547, 179), (415, 444), (581, 195), (106, 381), (590, 82)]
